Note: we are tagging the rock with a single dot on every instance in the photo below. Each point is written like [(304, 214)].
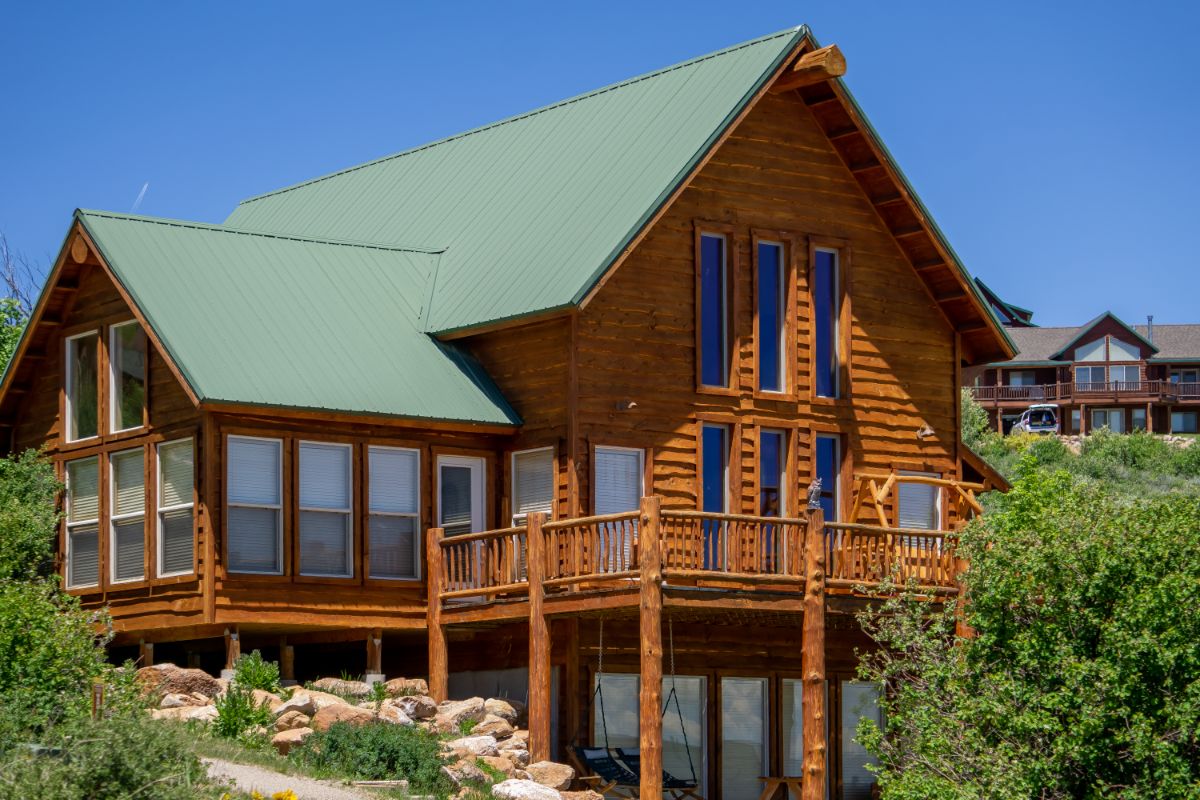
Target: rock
[(552, 774), (586, 794), (417, 706), (463, 771), (325, 699), (290, 720), (349, 714), (201, 699), (201, 714), (176, 700), (501, 764), (493, 726), (176, 713), (453, 713), (286, 740), (502, 709), (519, 758), (341, 687), (517, 789), (163, 679), (405, 687), (394, 714), (473, 745), (302, 702), (264, 698)]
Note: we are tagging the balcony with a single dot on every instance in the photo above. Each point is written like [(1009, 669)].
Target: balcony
[(1105, 391)]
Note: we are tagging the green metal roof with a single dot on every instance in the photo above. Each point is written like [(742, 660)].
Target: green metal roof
[(531, 211), (296, 322)]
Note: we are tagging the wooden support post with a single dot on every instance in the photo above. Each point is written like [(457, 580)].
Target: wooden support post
[(375, 652), (439, 674), (650, 616), (1149, 417), (145, 653), (287, 660), (961, 629), (539, 642), (1083, 420), (571, 678), (812, 655), (233, 647)]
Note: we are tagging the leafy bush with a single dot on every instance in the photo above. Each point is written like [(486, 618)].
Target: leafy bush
[(1105, 454), (378, 751), (28, 518), (49, 652), (1083, 678), (1187, 461), (974, 420), (251, 671), (238, 715), (117, 757)]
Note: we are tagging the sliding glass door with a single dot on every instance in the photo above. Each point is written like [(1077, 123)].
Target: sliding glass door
[(745, 755)]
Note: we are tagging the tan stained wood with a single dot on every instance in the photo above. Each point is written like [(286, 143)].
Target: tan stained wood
[(650, 605), (812, 654), (813, 67), (439, 674), (539, 645)]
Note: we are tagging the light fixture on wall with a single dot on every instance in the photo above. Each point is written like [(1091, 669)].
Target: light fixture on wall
[(925, 431), (627, 405)]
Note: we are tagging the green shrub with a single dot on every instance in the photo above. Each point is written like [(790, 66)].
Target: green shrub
[(974, 420), (28, 517), (117, 757), (379, 751), (251, 671), (1186, 461), (1105, 454), (49, 652), (238, 715)]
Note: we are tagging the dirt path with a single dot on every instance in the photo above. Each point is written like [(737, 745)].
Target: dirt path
[(249, 778)]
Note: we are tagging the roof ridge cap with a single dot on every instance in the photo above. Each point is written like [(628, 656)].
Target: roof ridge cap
[(222, 228), (526, 114)]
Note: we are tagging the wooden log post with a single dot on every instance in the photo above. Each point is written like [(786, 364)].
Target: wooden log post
[(650, 618), (439, 670), (145, 653), (375, 655), (233, 651), (815, 66), (812, 655), (539, 642), (571, 679), (287, 661)]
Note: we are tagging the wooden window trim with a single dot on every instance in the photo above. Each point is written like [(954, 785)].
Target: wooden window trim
[(365, 536), (733, 341), (790, 268), (844, 320)]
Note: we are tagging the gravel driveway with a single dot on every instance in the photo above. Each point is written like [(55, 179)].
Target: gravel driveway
[(249, 778)]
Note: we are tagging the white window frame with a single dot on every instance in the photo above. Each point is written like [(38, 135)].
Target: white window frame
[(781, 288), (114, 410), (161, 510), (641, 472), (418, 537), (835, 314), (68, 345), (278, 507), (938, 496), (114, 518), (518, 519), (478, 467), (95, 522), (348, 511)]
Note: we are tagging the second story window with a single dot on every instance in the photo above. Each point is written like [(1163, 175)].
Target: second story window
[(83, 522), (393, 546), (532, 483), (772, 468), (82, 386), (127, 362), (255, 513), (326, 532), (176, 508), (771, 314), (829, 470), (827, 305), (712, 298), (919, 504), (1090, 378), (1125, 376), (127, 542)]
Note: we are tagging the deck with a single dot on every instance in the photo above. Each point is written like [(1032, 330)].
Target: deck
[(1090, 393)]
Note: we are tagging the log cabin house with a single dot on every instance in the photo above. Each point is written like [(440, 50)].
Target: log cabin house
[(1102, 374), (535, 409)]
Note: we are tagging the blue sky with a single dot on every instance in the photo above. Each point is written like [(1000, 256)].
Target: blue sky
[(1053, 141)]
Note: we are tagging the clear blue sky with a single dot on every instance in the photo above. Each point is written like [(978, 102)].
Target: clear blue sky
[(1055, 142)]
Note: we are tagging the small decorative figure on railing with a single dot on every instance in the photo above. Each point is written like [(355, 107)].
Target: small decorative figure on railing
[(814, 495)]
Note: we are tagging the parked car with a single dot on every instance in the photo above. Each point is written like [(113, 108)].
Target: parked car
[(1039, 418)]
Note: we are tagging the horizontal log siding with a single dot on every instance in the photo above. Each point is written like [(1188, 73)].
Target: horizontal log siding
[(777, 172)]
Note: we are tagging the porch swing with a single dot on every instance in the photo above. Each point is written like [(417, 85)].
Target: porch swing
[(617, 770)]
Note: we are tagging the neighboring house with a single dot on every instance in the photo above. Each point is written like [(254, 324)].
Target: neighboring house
[(1103, 373), (365, 419)]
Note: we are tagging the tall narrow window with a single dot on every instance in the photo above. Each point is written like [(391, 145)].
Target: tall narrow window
[(919, 504), (128, 516), (127, 360), (829, 469), (176, 509), (772, 463), (714, 491), (83, 522), (714, 311), (826, 308), (82, 390), (772, 315), (393, 543), (859, 701), (254, 490), (745, 751), (326, 532), (532, 483)]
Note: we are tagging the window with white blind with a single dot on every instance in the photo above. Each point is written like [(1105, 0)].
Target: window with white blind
[(83, 522), (859, 701), (919, 504), (127, 520), (393, 545), (617, 479), (176, 508), (255, 512), (127, 376), (745, 755), (532, 483), (82, 386), (326, 532)]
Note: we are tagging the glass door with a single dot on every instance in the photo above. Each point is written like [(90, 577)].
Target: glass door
[(1112, 418), (745, 755), (460, 494)]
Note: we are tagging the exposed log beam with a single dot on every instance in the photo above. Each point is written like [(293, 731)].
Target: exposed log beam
[(921, 266), (888, 199), (863, 166), (813, 67), (968, 327), (908, 230), (950, 294), (842, 133)]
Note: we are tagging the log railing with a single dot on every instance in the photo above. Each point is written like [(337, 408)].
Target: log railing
[(1087, 390), (591, 548), (700, 544), (869, 555), (482, 564)]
